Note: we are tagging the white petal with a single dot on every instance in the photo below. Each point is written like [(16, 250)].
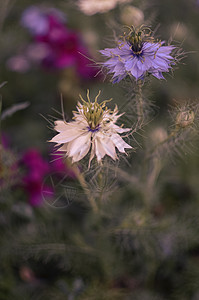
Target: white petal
[(108, 147), (92, 154), (63, 148), (119, 129), (68, 135), (75, 146), (120, 143), (99, 149), (83, 151), (60, 126)]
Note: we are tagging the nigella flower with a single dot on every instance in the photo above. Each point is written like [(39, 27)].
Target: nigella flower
[(137, 55), (93, 128)]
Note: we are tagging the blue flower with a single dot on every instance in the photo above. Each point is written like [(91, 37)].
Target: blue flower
[(136, 58)]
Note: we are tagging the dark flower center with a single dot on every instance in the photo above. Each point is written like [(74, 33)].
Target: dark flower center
[(97, 128), (136, 43), (136, 37), (137, 49)]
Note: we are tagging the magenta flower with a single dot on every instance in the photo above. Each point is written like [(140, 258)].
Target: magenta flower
[(37, 170), (55, 46), (59, 166)]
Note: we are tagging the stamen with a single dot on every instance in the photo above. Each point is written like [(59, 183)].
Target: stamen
[(88, 96), (137, 52), (97, 96)]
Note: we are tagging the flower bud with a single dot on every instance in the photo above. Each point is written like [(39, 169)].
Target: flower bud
[(132, 15), (158, 135), (185, 118)]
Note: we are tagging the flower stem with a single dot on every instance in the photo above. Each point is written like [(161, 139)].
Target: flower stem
[(100, 183), (170, 136), (152, 166), (84, 186), (139, 100)]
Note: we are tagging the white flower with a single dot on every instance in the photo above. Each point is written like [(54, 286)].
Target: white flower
[(93, 128), (91, 7)]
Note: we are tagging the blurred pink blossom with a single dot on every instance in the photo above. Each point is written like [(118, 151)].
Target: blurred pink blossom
[(59, 166), (37, 169), (54, 45), (18, 63), (35, 19)]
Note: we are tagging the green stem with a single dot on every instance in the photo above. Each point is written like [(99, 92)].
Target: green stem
[(84, 186), (171, 135), (139, 100), (100, 182), (149, 179)]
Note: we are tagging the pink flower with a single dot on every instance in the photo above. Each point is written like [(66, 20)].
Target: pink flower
[(34, 161), (63, 47), (37, 170), (59, 166)]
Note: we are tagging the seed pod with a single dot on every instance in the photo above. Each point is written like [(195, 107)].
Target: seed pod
[(185, 118)]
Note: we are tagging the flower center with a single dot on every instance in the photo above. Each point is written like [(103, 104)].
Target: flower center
[(97, 128), (93, 112), (135, 41), (136, 50), (136, 38)]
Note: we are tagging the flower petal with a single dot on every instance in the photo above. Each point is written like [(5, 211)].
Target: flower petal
[(70, 133), (60, 125), (108, 146), (120, 143), (99, 149), (74, 147), (83, 151)]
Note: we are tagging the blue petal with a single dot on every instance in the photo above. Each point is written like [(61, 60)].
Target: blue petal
[(157, 74), (118, 78), (136, 72), (160, 63), (148, 62), (130, 63), (150, 48)]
